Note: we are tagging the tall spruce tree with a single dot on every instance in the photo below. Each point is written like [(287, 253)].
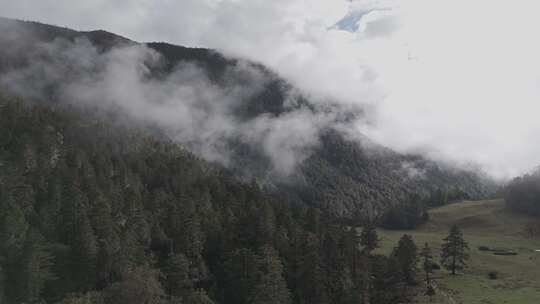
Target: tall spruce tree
[(427, 262), (406, 256), (427, 266), (178, 282), (240, 277), (271, 286), (34, 268), (369, 238), (140, 285), (454, 250), (369, 241), (311, 287)]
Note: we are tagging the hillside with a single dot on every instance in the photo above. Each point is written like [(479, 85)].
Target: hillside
[(489, 224), (95, 212), (324, 167)]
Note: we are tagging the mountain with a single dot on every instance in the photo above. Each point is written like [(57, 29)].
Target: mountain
[(152, 173), (331, 170)]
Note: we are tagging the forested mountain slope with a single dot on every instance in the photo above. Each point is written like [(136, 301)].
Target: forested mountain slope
[(98, 213), (325, 167)]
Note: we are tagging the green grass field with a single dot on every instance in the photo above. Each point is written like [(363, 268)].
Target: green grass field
[(484, 223)]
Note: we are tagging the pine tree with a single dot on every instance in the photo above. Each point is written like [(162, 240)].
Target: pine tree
[(313, 220), (386, 284), (13, 225), (406, 257), (140, 285), (368, 238), (310, 277), (107, 268), (3, 278), (189, 239), (49, 206), (355, 261), (271, 286), (83, 253), (266, 226), (34, 268), (337, 272), (240, 276), (14, 231), (108, 243), (178, 282), (453, 250), (427, 263), (76, 232), (369, 241)]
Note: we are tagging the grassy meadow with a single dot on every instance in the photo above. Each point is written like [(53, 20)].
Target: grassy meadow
[(484, 223)]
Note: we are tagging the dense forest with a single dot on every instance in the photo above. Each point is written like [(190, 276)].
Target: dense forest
[(523, 194), (92, 213)]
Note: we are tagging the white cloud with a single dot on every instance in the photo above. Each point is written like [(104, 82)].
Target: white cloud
[(186, 105), (454, 78)]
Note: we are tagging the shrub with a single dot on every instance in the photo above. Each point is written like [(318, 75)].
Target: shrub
[(484, 248)]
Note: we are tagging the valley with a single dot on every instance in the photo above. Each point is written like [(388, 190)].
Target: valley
[(484, 223), (153, 173)]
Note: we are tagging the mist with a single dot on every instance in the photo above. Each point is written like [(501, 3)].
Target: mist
[(186, 104)]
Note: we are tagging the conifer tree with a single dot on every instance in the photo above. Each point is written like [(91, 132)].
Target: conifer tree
[(369, 238), (266, 226), (313, 220), (241, 274), (13, 225), (427, 262), (190, 240), (178, 282), (34, 268), (140, 285), (3, 278), (454, 250), (310, 279), (271, 286), (355, 263), (75, 231), (386, 284), (369, 241), (406, 257)]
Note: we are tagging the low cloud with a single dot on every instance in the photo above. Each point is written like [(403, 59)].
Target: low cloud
[(456, 80), (189, 107)]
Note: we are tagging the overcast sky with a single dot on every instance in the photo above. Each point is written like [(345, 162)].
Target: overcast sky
[(456, 79)]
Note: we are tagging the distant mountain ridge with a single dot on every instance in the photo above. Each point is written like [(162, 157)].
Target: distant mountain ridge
[(338, 173)]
